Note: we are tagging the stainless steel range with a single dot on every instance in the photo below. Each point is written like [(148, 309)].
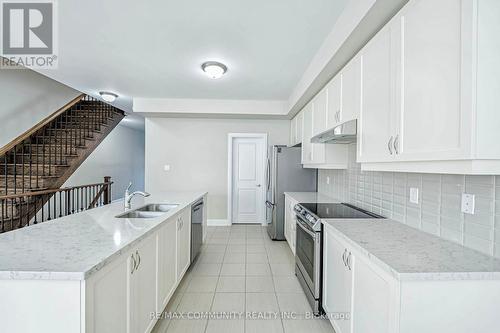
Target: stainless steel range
[(309, 243)]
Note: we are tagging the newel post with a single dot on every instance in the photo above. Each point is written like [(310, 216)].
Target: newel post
[(107, 190)]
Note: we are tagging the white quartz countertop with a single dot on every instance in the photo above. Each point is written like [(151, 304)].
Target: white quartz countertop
[(405, 252), (411, 254), (75, 246), (310, 197)]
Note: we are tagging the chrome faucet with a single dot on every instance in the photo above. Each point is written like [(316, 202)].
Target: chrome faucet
[(129, 196)]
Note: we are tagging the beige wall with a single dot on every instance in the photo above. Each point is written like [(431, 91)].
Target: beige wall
[(196, 150), (26, 98)]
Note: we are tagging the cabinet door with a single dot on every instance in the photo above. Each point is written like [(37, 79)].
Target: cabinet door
[(431, 114), (319, 112), (376, 120), (337, 283), (306, 135), (287, 220), (371, 299), (351, 90), (167, 264), (334, 101), (183, 242), (143, 287), (300, 124), (293, 131), (106, 299)]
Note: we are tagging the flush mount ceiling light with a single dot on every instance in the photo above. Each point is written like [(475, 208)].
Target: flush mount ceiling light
[(214, 69), (108, 96)]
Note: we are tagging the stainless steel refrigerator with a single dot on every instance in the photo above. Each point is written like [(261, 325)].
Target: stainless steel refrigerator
[(284, 174)]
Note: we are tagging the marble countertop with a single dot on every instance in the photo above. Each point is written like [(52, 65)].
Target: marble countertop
[(310, 197), (75, 246), (411, 254)]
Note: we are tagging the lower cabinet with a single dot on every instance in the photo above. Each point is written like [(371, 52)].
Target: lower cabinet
[(123, 295), (167, 277), (183, 242), (290, 222), (142, 286), (356, 294), (338, 265)]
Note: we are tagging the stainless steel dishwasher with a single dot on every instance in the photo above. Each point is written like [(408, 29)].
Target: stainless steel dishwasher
[(196, 228)]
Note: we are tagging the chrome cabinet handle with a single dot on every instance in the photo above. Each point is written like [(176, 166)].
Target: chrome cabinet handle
[(389, 145), (348, 261), (344, 257), (134, 264), (258, 185), (337, 116), (396, 144), (138, 258)]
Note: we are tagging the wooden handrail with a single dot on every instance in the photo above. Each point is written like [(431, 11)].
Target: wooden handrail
[(40, 125), (49, 191)]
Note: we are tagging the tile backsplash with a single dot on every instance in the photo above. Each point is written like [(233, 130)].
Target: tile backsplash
[(439, 201)]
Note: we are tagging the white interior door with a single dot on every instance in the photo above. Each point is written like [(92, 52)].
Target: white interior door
[(248, 180)]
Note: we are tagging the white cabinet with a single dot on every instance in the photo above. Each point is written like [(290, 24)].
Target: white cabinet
[(431, 115), (290, 222), (167, 264), (351, 90), (296, 129), (106, 294), (320, 155), (307, 157), (440, 111), (334, 91), (372, 299), (142, 286), (378, 120), (183, 242), (320, 105), (359, 296), (338, 265)]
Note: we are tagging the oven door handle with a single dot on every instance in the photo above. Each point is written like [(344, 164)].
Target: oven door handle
[(305, 228)]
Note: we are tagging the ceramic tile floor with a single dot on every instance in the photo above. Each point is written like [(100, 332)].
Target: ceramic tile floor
[(241, 271)]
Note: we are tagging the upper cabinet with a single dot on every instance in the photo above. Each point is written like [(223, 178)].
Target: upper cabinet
[(334, 91), (426, 101), (351, 90), (296, 129), (378, 121), (320, 106)]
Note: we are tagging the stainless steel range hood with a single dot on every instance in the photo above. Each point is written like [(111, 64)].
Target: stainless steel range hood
[(343, 133)]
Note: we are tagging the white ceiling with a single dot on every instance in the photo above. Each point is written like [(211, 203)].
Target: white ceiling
[(154, 48)]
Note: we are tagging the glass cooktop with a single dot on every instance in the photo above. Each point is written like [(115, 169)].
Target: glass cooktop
[(338, 211)]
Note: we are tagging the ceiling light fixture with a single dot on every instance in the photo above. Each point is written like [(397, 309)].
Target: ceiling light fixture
[(108, 96), (214, 69)]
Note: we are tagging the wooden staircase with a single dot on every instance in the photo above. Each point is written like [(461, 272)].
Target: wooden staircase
[(44, 157)]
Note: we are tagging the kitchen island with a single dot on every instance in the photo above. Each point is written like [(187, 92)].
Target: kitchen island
[(94, 272)]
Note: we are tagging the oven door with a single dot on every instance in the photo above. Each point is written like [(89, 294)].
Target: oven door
[(308, 256)]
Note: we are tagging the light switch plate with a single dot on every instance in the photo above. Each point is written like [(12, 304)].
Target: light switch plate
[(414, 195), (328, 180), (468, 203)]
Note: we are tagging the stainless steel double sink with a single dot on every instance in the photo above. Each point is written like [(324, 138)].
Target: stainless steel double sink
[(148, 211)]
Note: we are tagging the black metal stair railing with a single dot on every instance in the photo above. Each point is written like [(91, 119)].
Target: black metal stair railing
[(29, 208)]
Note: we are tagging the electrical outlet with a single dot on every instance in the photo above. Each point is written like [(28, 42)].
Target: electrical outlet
[(468, 203), (414, 195), (328, 180), (166, 167)]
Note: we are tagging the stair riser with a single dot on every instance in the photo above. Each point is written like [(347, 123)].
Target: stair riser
[(36, 169), (51, 149), (19, 183), (39, 159)]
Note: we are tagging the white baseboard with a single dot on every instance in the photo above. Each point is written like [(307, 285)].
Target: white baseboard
[(218, 222)]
